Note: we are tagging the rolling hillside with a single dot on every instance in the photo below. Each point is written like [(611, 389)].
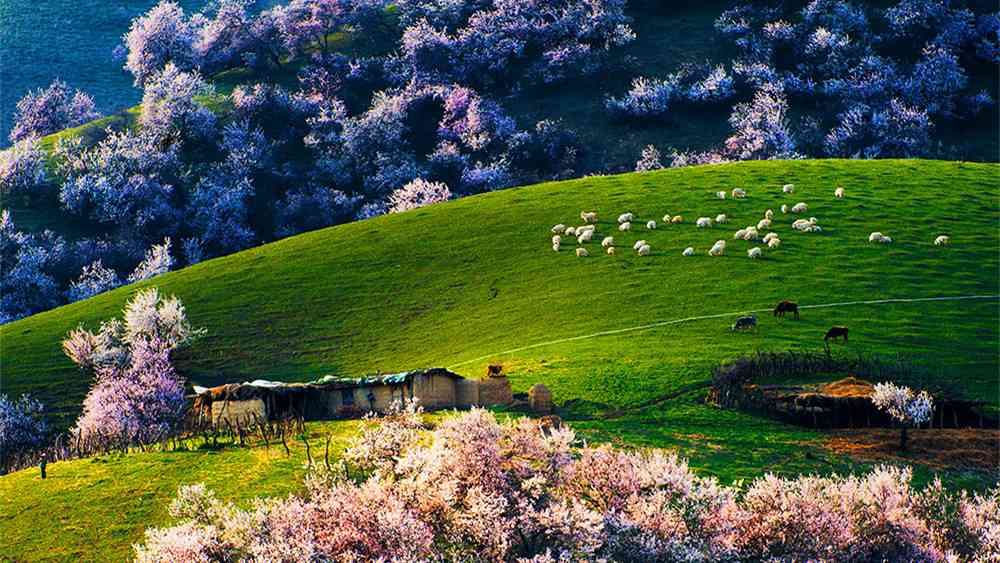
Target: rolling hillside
[(460, 283), (455, 284)]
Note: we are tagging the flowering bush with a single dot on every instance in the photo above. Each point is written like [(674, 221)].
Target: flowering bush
[(474, 489), (137, 397), (904, 406), (22, 425), (158, 261), (647, 98), (313, 207), (418, 193), (53, 109), (169, 107), (161, 36), (94, 279), (866, 132), (650, 160), (27, 280), (22, 168)]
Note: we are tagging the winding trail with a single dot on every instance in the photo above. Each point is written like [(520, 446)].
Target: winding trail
[(719, 316)]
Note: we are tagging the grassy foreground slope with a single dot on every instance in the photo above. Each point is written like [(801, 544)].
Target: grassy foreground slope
[(454, 284)]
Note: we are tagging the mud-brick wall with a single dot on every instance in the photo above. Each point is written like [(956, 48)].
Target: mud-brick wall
[(495, 391), (434, 392), (466, 393), (242, 412)]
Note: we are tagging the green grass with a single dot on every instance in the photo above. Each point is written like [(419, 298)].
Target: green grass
[(456, 283)]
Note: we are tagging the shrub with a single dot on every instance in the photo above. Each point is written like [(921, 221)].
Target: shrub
[(42, 112), (313, 207), (22, 426), (170, 108), (220, 214), (94, 279), (157, 261), (22, 168), (650, 160), (27, 281), (648, 98), (893, 130), (476, 489), (418, 193)]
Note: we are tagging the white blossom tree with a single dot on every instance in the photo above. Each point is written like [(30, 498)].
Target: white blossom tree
[(904, 406)]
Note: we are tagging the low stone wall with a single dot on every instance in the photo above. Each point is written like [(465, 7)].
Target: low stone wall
[(238, 412)]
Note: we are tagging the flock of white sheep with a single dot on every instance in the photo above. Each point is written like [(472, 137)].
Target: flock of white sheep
[(585, 233)]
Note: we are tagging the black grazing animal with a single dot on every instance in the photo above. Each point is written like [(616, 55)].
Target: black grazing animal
[(745, 323), (787, 307), (835, 333)]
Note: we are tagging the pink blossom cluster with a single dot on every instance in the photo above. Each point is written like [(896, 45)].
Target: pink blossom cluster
[(475, 489)]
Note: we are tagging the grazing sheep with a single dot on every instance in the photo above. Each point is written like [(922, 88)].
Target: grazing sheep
[(879, 238), (774, 243), (718, 249), (644, 250), (704, 222), (784, 209), (651, 225), (738, 235), (626, 226), (637, 244), (570, 231), (745, 323), (721, 218), (689, 251), (720, 195), (585, 237), (556, 239), (800, 207), (608, 242), (943, 240), (676, 219), (767, 238), (769, 214), (556, 246), (838, 193), (625, 218), (739, 193), (805, 226), (582, 253), (559, 229), (788, 188), (611, 251), (588, 216), (754, 252), (584, 228), (750, 233), (763, 224), (667, 218)]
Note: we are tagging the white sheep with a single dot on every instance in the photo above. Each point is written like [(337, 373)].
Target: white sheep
[(800, 207), (838, 193), (763, 224), (588, 216), (585, 237), (738, 235), (739, 193), (644, 250), (676, 219), (788, 188), (721, 218), (879, 238), (608, 242), (556, 246), (651, 225), (667, 218), (570, 231), (754, 252), (750, 233), (637, 244), (720, 195), (704, 222), (556, 239), (769, 214), (611, 251), (774, 243), (626, 226), (582, 253), (625, 218), (718, 249), (784, 209), (559, 229), (806, 226), (943, 240), (767, 238), (689, 251), (582, 228)]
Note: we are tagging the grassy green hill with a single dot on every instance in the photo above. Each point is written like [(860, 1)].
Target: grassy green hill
[(459, 283)]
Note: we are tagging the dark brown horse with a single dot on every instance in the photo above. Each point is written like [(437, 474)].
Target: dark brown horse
[(835, 333), (787, 307)]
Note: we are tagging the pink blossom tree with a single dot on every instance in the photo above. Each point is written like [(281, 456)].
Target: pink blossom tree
[(418, 193), (53, 109)]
